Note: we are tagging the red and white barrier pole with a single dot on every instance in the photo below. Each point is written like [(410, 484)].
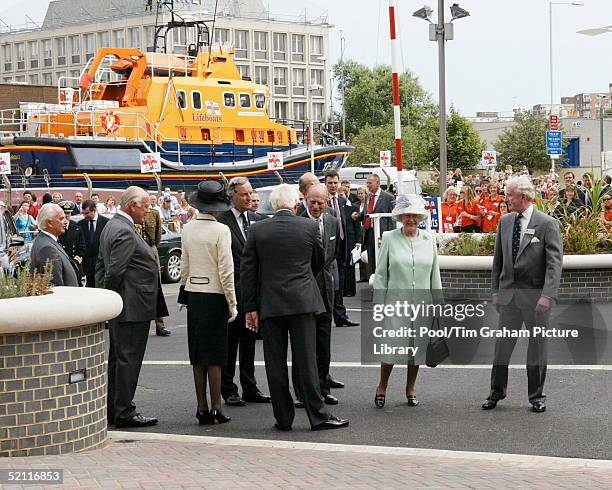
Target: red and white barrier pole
[(396, 96)]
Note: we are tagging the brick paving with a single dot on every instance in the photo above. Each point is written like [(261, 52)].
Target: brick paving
[(158, 461)]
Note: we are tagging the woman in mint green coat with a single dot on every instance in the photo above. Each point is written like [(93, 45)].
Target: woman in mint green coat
[(407, 271)]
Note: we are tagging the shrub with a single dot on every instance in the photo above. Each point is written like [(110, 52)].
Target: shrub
[(26, 283)]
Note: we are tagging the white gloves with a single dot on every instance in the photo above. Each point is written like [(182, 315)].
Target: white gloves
[(233, 314)]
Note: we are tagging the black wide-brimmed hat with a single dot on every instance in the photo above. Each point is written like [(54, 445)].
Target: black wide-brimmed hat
[(209, 196)]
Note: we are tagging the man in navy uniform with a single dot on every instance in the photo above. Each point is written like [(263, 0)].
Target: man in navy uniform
[(72, 240)]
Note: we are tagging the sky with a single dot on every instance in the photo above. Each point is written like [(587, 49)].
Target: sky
[(499, 59)]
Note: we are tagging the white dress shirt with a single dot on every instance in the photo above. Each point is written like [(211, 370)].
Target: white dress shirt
[(238, 215), (125, 215), (525, 220), (49, 234)]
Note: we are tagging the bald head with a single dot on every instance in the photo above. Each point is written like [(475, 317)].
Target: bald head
[(316, 199), (306, 180)]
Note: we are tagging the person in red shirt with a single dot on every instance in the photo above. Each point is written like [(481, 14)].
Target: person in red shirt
[(606, 212), (468, 212), (490, 219), (30, 198), (449, 210)]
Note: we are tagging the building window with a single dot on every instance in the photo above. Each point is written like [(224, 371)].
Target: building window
[(181, 99), (245, 101), (299, 111), (299, 74), (60, 50), (196, 100), (280, 110), (61, 74), (90, 48), (7, 54), (260, 45), (316, 49), (261, 75), (20, 79), (75, 49), (75, 74), (229, 99), (245, 72), (134, 37), (47, 52), (179, 39), (317, 112), (47, 79), (119, 38), (241, 43), (280, 81), (221, 36), (7, 80), (34, 79), (20, 49), (33, 49), (316, 78), (103, 40), (280, 46), (297, 47), (149, 34)]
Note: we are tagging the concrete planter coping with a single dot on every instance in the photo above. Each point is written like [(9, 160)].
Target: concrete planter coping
[(485, 262), (66, 307)]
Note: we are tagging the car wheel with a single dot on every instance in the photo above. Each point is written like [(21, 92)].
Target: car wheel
[(171, 272)]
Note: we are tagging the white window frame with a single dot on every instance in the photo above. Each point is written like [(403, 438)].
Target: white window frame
[(119, 38), (34, 54), (134, 40), (315, 57), (60, 48), (86, 47), (315, 81), (260, 45), (258, 79), (20, 56), (75, 54), (47, 54), (222, 35), (280, 103), (103, 39), (277, 86), (301, 114), (279, 54), (296, 89), (298, 56), (239, 47)]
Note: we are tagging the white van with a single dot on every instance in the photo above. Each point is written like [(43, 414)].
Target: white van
[(358, 177)]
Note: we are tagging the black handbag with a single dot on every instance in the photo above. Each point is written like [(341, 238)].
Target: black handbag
[(437, 349), (182, 296)]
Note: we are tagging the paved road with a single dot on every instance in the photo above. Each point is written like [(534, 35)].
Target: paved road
[(578, 422)]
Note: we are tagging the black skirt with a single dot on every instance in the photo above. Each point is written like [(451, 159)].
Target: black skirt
[(207, 315)]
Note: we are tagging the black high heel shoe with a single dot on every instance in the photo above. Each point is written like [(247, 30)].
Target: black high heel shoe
[(205, 418), (412, 401), (379, 400), (218, 416)]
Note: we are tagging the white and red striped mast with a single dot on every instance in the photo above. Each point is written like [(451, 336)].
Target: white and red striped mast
[(399, 161)]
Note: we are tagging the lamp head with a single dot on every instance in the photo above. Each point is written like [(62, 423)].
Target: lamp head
[(424, 13), (457, 12)]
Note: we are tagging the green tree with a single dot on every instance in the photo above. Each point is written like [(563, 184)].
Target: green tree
[(524, 143), (464, 146)]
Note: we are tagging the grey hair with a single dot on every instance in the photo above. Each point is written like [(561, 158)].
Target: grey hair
[(46, 213), (235, 182), (523, 185), (317, 188), (132, 194), (284, 197)]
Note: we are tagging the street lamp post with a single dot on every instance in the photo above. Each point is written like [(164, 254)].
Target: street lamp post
[(342, 46), (441, 32)]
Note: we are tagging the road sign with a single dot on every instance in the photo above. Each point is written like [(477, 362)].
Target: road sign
[(554, 143), (553, 120), (489, 157), (5, 163), (275, 160), (385, 158), (432, 205), (150, 162)]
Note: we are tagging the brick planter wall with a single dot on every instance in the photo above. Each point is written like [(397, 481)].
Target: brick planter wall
[(40, 411), (595, 284)]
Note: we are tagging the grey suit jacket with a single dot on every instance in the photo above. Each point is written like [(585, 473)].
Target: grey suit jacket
[(127, 265), (64, 269), (539, 261)]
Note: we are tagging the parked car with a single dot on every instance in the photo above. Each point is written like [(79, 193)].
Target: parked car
[(14, 252), (358, 176)]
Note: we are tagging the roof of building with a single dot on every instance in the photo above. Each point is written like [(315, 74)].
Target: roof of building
[(62, 13)]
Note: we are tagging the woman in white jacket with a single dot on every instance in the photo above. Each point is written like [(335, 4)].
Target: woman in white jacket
[(207, 289)]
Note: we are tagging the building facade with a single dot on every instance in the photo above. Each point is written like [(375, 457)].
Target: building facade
[(588, 104), (289, 56)]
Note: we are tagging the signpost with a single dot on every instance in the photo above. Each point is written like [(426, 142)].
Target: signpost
[(385, 158), (275, 160), (554, 146), (432, 204), (150, 162), (489, 157), (5, 163), (553, 120)]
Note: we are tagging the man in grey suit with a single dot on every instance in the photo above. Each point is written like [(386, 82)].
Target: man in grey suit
[(127, 265), (52, 223), (327, 280), (525, 281)]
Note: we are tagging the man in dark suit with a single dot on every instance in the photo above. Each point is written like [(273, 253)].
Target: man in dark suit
[(52, 223), (91, 225), (341, 212), (378, 201), (239, 220), (525, 280), (127, 265), (327, 278), (78, 203), (72, 240), (281, 258)]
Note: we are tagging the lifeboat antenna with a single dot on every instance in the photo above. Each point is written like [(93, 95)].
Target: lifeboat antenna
[(212, 35)]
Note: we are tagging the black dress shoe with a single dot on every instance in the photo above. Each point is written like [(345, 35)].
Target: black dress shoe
[(258, 397), (538, 407), (204, 418), (334, 383), (349, 295), (412, 401), (298, 404), (332, 423), (347, 323), (330, 400), (284, 428), (379, 400), (489, 404), (137, 420), (218, 417), (235, 401), (163, 332)]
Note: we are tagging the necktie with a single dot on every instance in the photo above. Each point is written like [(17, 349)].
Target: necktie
[(321, 229), (92, 231), (367, 223), (245, 224), (338, 215), (516, 236)]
